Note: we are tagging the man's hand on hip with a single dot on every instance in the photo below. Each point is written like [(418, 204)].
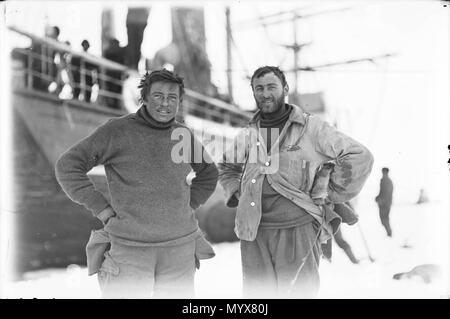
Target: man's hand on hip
[(106, 214)]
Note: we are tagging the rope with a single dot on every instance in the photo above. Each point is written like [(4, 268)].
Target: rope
[(309, 252), (240, 57), (266, 33)]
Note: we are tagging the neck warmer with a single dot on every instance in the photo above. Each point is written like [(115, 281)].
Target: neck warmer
[(276, 119), (143, 114)]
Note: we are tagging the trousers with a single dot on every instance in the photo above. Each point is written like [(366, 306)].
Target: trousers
[(148, 272), (384, 217), (271, 262)]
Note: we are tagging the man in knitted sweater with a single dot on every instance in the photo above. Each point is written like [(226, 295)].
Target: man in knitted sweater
[(155, 240)]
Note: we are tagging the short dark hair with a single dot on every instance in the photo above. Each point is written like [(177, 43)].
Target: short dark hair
[(385, 170), (56, 29), (267, 69), (158, 76)]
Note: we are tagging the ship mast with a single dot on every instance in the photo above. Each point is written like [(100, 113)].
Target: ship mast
[(296, 46), (108, 32), (229, 58)]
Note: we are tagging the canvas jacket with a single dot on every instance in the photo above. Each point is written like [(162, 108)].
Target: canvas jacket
[(305, 143)]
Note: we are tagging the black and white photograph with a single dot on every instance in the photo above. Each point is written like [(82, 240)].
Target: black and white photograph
[(225, 150)]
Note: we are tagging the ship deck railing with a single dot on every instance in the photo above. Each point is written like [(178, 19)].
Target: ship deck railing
[(55, 68)]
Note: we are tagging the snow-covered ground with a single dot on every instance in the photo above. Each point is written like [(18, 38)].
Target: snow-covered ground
[(421, 228)]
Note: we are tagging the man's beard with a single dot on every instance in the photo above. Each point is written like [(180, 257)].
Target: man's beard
[(279, 103)]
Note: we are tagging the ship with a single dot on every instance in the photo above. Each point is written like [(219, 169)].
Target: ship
[(52, 231)]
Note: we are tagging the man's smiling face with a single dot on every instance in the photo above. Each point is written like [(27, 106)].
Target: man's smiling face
[(163, 101), (269, 92)]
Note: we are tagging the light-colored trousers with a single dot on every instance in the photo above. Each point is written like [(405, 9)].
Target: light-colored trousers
[(148, 272)]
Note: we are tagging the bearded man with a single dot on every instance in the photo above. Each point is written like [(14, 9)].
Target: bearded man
[(279, 224)]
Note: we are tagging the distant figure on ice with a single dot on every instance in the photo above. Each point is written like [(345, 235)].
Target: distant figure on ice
[(268, 174), (149, 218), (423, 198), (384, 199)]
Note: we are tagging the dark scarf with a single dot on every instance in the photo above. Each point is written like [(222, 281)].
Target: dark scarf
[(276, 119), (143, 114)]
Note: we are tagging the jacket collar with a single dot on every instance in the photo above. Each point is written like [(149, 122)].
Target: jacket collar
[(296, 116)]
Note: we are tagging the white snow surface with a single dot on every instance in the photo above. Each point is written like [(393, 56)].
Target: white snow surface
[(423, 228)]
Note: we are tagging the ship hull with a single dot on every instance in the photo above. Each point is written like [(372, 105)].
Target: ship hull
[(50, 230)]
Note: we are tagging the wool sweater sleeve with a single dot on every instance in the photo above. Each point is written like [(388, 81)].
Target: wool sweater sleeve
[(353, 162), (205, 180), (72, 167)]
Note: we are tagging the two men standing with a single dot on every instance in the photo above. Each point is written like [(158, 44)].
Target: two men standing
[(268, 174)]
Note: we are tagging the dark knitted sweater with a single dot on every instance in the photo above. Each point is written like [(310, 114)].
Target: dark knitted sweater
[(149, 193)]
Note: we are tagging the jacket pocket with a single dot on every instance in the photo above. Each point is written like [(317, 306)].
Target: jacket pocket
[(109, 265), (305, 176), (108, 271), (294, 169)]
